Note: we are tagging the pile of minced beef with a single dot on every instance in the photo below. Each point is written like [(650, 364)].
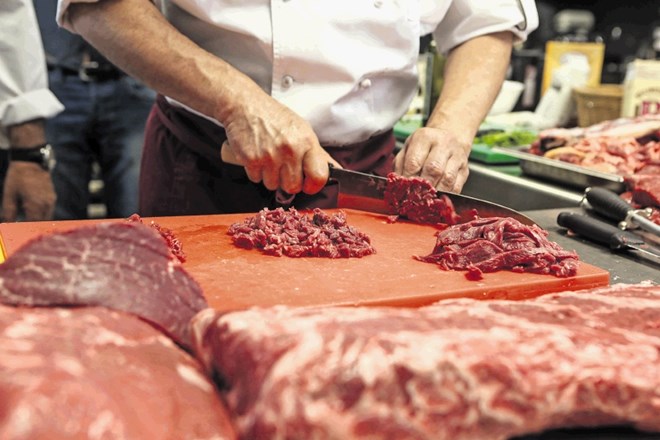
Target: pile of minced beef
[(296, 234)]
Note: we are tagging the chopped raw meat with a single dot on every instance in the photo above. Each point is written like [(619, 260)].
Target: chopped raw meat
[(295, 234), (643, 128), (172, 241), (622, 156), (417, 200), (497, 243), (459, 369), (645, 189), (120, 265), (92, 373), (622, 146)]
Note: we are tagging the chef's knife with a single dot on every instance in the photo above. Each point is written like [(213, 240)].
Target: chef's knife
[(366, 192), (610, 205), (604, 233)]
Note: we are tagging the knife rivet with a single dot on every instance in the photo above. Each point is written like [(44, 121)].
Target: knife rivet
[(287, 81)]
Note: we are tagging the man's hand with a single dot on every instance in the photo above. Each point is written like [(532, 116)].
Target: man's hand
[(437, 155), (28, 189), (439, 152), (277, 147)]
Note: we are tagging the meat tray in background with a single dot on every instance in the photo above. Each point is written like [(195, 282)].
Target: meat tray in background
[(602, 154), (564, 173)]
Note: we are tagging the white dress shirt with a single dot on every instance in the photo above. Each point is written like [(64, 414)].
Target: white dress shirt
[(349, 67), (24, 93)]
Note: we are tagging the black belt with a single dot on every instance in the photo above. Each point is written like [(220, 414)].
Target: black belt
[(91, 72)]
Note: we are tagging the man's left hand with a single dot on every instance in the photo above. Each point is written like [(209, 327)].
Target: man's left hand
[(28, 189), (437, 155)]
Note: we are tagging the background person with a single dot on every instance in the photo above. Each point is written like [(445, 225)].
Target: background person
[(25, 181), (102, 124)]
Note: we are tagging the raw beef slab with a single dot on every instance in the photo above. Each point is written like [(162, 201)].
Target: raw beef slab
[(91, 373), (124, 266), (459, 369)]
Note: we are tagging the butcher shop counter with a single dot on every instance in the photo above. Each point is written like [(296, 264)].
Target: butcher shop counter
[(623, 267)]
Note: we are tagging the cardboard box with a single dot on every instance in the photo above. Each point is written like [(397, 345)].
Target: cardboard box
[(641, 89)]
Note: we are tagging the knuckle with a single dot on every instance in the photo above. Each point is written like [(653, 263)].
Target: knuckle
[(412, 166), (435, 170)]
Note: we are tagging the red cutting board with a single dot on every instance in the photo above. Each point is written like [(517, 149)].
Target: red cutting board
[(234, 278)]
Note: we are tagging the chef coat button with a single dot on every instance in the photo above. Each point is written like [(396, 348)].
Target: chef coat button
[(287, 81), (378, 3), (365, 83)]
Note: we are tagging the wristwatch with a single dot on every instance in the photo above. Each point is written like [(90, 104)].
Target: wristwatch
[(41, 154)]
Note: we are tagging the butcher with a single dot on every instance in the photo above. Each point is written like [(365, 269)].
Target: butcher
[(292, 85)]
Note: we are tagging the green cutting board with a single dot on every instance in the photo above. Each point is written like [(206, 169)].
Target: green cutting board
[(485, 154), (479, 153)]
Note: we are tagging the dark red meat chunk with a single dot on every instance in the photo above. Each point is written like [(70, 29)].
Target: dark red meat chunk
[(172, 241), (92, 373), (460, 369), (417, 200), (296, 234), (645, 190), (124, 266), (497, 243)]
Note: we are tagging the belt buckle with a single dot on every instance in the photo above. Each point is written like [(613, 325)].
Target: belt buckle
[(85, 72)]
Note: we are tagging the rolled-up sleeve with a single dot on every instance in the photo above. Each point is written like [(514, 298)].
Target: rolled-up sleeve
[(467, 19), (24, 93), (62, 16)]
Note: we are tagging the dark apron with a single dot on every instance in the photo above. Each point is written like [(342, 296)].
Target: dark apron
[(182, 172)]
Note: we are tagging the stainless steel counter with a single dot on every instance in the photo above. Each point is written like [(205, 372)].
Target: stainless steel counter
[(505, 184)]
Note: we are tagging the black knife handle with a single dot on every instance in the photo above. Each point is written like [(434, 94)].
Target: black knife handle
[(597, 230), (608, 203)]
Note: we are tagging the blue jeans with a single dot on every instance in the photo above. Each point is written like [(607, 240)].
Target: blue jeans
[(103, 122)]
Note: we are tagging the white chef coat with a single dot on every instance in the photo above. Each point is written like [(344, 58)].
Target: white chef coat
[(349, 67), (24, 93)]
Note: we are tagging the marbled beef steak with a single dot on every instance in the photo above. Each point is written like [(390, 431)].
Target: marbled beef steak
[(92, 373), (124, 266), (459, 369)]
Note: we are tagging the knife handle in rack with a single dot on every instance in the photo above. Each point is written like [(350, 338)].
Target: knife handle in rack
[(597, 230), (608, 203)]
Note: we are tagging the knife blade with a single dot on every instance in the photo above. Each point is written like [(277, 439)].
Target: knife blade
[(610, 205), (366, 192), (604, 233)]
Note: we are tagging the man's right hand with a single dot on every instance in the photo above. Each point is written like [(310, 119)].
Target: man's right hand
[(277, 147)]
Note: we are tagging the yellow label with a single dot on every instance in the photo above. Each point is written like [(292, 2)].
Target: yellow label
[(3, 253), (557, 51)]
